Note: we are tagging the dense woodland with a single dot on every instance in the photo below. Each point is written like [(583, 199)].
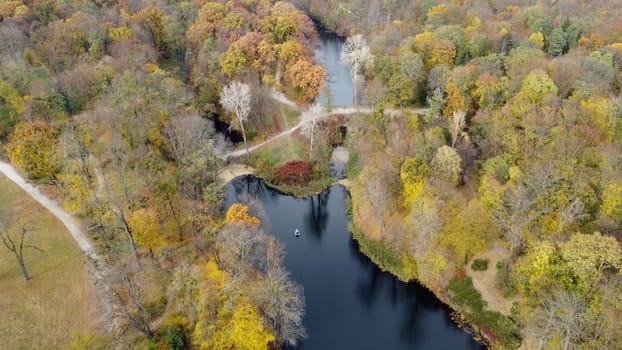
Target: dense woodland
[(112, 102), (519, 153)]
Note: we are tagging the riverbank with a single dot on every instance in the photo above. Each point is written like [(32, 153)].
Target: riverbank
[(396, 315), (399, 265), (405, 269), (471, 311), (232, 171)]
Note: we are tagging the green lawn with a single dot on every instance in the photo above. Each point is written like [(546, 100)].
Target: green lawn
[(283, 150), (288, 117), (57, 303)]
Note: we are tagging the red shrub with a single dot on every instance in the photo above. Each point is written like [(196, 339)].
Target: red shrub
[(297, 172)]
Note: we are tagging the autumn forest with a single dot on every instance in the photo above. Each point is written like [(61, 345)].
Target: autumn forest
[(483, 160)]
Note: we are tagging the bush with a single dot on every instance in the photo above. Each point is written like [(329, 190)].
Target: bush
[(465, 295), (313, 187), (480, 265), (354, 165), (500, 328), (505, 282), (294, 173), (156, 309), (176, 339)]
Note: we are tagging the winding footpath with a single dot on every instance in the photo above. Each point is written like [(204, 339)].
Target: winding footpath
[(278, 96), (52, 206), (84, 243)]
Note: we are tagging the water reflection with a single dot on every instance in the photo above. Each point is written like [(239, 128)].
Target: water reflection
[(351, 304), (339, 89), (317, 216)]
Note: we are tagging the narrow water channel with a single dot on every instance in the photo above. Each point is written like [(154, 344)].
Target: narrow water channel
[(350, 303), (339, 88)]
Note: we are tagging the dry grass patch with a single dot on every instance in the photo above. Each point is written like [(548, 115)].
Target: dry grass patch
[(57, 303), (486, 281)]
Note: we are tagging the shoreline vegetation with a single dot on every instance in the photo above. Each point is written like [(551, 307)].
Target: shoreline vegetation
[(404, 268), (518, 156)]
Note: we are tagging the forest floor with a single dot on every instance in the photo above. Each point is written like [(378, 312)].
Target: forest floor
[(60, 299)]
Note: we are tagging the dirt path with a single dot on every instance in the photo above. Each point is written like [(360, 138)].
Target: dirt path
[(84, 243), (278, 96), (232, 171), (72, 226)]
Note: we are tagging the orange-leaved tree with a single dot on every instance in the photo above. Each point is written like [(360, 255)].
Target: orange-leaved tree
[(238, 213), (308, 78)]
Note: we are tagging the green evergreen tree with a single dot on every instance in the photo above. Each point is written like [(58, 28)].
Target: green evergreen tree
[(557, 42)]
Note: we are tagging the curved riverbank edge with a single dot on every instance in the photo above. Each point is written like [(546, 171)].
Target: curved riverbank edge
[(364, 243), (370, 248), (233, 171)]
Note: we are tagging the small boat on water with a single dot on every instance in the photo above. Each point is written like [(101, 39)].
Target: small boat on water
[(297, 233)]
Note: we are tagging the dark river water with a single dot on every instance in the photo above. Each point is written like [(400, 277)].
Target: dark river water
[(350, 303), (339, 86)]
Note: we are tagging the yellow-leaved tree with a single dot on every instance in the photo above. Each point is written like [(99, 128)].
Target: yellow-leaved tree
[(537, 39), (612, 201), (533, 272), (468, 230), (587, 256), (244, 330), (32, 148), (456, 101), (238, 213), (537, 85), (228, 322), (413, 175), (146, 227)]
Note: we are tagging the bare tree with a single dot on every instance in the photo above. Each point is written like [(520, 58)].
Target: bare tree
[(515, 215), (570, 213), (309, 119), (14, 236), (458, 122), (125, 285), (425, 221), (356, 55), (376, 194), (240, 247), (184, 288), (446, 163), (282, 300), (119, 197), (186, 134), (77, 140), (236, 98), (561, 315)]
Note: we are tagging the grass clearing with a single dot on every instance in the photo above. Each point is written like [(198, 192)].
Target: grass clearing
[(283, 150), (57, 303)]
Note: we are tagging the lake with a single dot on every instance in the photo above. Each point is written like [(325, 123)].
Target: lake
[(350, 303)]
